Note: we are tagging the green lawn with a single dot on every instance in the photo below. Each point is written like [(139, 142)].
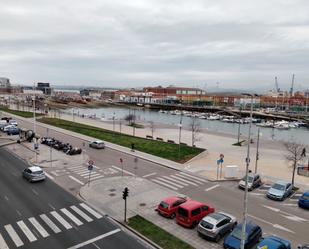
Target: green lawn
[(19, 113), (156, 234), (157, 148)]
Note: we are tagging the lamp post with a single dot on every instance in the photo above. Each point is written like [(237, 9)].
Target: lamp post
[(243, 234), (179, 141), (238, 137), (257, 151), (34, 126)]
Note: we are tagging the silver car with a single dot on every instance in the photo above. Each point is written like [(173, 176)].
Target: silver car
[(98, 144), (254, 181), (280, 190), (216, 225), (34, 174)]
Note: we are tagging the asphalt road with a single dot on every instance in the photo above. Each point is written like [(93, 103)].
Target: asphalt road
[(43, 215), (284, 219)]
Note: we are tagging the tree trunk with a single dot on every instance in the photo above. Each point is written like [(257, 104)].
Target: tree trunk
[(293, 175)]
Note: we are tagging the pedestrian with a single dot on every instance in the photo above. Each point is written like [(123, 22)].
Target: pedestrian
[(303, 154), (132, 147)]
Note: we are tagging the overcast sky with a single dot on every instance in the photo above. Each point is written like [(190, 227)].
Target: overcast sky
[(238, 43)]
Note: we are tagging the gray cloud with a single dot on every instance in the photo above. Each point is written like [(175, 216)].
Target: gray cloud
[(238, 43)]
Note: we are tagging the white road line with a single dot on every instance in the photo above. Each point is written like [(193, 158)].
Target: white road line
[(169, 182), (174, 180), (77, 167), (297, 194), (164, 184), (81, 172), (90, 210), (92, 175), (151, 174), (95, 239), (289, 204), (61, 220), (38, 227), (3, 245), (6, 198), (183, 180), (49, 223), (188, 179), (97, 177), (194, 177), (213, 187), (36, 193), (253, 193), (71, 216), (49, 176), (125, 171), (76, 180), (26, 231), (14, 236), (81, 213)]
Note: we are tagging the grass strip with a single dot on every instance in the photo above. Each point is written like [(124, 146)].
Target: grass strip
[(153, 147), (157, 234), (20, 113)]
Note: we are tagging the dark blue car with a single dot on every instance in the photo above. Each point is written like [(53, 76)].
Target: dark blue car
[(303, 201), (253, 236), (13, 131), (274, 242)]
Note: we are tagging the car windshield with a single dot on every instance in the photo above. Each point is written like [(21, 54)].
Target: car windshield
[(183, 212), (237, 233), (306, 196), (206, 224), (164, 205), (37, 172), (278, 186), (250, 179)]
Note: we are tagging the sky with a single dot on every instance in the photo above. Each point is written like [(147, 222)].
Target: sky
[(238, 44)]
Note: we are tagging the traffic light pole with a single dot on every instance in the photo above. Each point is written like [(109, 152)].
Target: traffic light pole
[(125, 210)]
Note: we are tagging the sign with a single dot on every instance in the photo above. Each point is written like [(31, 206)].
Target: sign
[(91, 162)]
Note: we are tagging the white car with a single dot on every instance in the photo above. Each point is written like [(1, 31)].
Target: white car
[(6, 128), (13, 122), (98, 144)]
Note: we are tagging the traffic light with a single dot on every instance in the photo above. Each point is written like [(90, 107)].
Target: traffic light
[(125, 193)]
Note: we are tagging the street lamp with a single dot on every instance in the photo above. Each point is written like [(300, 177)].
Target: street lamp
[(238, 137), (179, 141), (243, 234), (257, 151)]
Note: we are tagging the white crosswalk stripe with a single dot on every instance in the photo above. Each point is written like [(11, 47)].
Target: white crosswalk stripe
[(38, 227), (3, 244), (194, 177), (91, 175), (81, 213), (81, 172), (164, 184), (61, 220), (90, 210), (184, 180), (51, 224), (77, 167), (174, 180), (189, 179), (14, 236), (169, 182), (26, 231), (71, 216), (97, 177)]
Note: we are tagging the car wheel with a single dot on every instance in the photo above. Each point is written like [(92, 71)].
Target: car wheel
[(194, 224), (218, 237), (173, 215)]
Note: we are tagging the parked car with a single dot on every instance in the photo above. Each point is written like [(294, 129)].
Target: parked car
[(13, 122), (6, 128), (168, 207), (98, 144), (274, 242), (253, 236), (34, 174), (13, 131), (214, 226), (280, 190), (303, 246), (254, 181), (190, 213), (303, 201)]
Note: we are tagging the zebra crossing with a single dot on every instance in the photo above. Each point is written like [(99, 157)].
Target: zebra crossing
[(54, 222), (179, 181)]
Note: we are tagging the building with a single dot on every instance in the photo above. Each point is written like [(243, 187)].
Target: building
[(5, 82), (44, 87)]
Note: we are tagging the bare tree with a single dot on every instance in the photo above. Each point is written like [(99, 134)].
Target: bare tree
[(294, 154), (152, 127), (130, 118), (195, 126)]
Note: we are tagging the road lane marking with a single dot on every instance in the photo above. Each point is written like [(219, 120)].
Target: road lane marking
[(194, 177), (93, 174), (95, 239), (272, 208), (164, 184), (283, 228), (189, 179), (71, 216), (151, 174), (26, 231), (97, 177), (213, 187), (290, 204), (49, 176), (7, 198), (36, 193), (125, 171), (61, 220), (3, 245), (52, 207), (14, 236), (77, 167), (38, 227), (169, 182), (19, 213), (90, 210), (287, 215), (76, 180), (81, 171), (294, 218), (49, 223), (81, 213), (253, 193), (183, 180), (174, 180)]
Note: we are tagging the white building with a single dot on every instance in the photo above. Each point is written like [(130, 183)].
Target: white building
[(5, 82)]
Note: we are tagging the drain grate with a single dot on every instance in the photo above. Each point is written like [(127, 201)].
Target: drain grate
[(112, 194), (142, 204), (112, 190)]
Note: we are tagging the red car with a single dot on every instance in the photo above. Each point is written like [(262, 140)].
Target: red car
[(190, 213), (168, 207)]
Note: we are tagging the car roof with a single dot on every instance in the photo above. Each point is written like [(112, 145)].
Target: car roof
[(172, 199), (98, 141), (275, 242), (192, 204), (215, 218), (35, 168), (306, 193), (249, 226), (281, 182)]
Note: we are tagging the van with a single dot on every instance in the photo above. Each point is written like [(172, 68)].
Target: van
[(190, 213)]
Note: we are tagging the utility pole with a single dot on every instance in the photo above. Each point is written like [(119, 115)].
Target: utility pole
[(114, 122), (179, 141), (244, 224), (257, 151), (34, 126), (238, 137)]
